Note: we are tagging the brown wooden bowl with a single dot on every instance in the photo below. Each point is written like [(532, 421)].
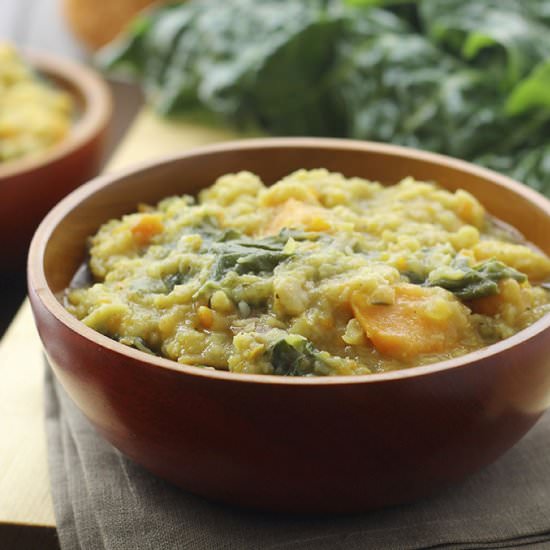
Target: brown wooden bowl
[(314, 445), (30, 186)]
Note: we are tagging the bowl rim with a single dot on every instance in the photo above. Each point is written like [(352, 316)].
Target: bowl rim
[(38, 284), (95, 116)]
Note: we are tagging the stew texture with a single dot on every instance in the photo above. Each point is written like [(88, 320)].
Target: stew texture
[(317, 274), (34, 115)]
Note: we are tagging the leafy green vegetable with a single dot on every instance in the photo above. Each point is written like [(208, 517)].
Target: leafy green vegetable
[(177, 278), (232, 58), (411, 91), (241, 254), (533, 92), (462, 77), (499, 35), (530, 164), (468, 283), (294, 355), (241, 259)]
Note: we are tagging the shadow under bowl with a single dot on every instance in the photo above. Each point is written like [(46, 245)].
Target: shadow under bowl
[(304, 445), (32, 185)]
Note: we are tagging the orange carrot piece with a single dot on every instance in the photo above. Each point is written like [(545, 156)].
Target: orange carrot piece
[(413, 325), (294, 213), (146, 227)]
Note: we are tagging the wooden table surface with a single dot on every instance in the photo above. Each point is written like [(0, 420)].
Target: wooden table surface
[(25, 499)]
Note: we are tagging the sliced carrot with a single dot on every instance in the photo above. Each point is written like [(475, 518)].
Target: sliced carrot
[(146, 228), (421, 320), (294, 213)]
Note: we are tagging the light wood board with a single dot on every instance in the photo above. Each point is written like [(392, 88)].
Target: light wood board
[(24, 485)]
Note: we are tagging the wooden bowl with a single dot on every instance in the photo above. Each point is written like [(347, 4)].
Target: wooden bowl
[(30, 186), (308, 445)]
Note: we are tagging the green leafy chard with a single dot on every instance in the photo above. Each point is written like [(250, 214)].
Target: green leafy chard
[(174, 279), (294, 355), (469, 283), (236, 252), (499, 35), (461, 77)]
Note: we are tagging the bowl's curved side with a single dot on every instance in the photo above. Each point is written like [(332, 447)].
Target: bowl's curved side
[(31, 186), (291, 444), (298, 448), (28, 196)]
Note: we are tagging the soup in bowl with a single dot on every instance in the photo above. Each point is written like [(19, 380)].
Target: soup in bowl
[(313, 443)]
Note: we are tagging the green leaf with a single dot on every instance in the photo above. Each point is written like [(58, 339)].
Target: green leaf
[(461, 77), (468, 283), (174, 279), (531, 93), (294, 355), (530, 164), (246, 255), (498, 34)]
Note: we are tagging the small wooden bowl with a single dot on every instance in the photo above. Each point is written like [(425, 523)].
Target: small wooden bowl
[(308, 445), (30, 186)]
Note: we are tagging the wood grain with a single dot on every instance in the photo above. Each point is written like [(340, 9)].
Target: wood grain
[(24, 485)]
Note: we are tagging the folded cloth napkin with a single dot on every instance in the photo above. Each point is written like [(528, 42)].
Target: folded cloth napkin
[(104, 501)]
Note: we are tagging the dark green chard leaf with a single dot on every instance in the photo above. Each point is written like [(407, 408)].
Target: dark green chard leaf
[(244, 260), (409, 91), (231, 58), (477, 281), (532, 93), (236, 252), (174, 279), (497, 33), (530, 164), (413, 277), (404, 9), (292, 87), (146, 46), (537, 9), (294, 355), (377, 3), (461, 77)]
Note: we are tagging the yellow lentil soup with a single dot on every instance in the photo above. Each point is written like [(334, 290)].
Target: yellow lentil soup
[(34, 115), (315, 275)]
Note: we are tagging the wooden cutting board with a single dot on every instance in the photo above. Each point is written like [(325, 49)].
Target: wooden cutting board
[(25, 498)]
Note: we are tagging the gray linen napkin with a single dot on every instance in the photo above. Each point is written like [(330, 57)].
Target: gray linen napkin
[(104, 501)]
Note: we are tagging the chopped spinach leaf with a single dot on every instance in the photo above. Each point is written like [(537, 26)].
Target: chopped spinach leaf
[(245, 258), (413, 277), (294, 355), (468, 283), (177, 278), (242, 254)]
